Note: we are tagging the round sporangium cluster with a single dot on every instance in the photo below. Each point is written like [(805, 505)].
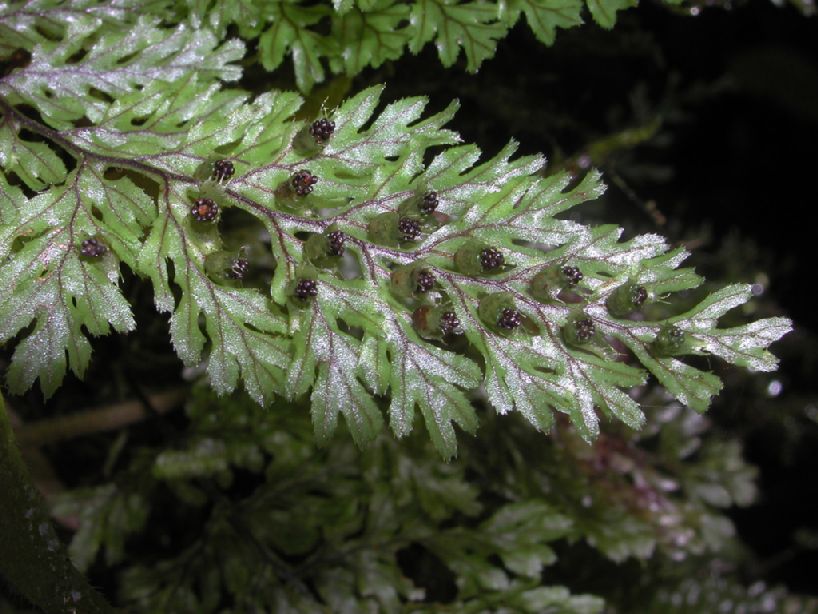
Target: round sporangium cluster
[(204, 210), (305, 289), (408, 229), (675, 335), (585, 329), (429, 203), (424, 281), (238, 268), (450, 324), (670, 340), (302, 182), (626, 299), (223, 170), (409, 280), (491, 258), (436, 322), (572, 275), (509, 318), (638, 295), (335, 243), (498, 310), (93, 248), (321, 130)]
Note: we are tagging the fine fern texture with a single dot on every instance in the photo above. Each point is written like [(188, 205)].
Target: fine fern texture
[(392, 529), (404, 272), (346, 36)]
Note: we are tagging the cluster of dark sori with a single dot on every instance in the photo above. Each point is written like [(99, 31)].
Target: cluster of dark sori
[(509, 319), (93, 248), (572, 275), (306, 289), (429, 203), (491, 258), (322, 130), (409, 229), (302, 182), (335, 243), (223, 170), (204, 210), (425, 281), (450, 324), (238, 268)]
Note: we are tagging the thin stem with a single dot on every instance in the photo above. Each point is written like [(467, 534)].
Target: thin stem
[(109, 418)]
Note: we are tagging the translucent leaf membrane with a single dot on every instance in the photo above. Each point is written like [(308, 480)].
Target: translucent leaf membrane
[(140, 189), (89, 57), (26, 24), (50, 283)]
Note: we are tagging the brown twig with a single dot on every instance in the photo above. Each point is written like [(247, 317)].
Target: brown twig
[(108, 418)]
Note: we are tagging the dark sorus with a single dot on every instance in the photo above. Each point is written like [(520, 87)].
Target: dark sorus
[(429, 203), (223, 170), (450, 324), (336, 240), (409, 229), (302, 182), (238, 268), (425, 281), (306, 289), (509, 318), (638, 296), (321, 130), (572, 275), (585, 329), (491, 258), (204, 210), (93, 248)]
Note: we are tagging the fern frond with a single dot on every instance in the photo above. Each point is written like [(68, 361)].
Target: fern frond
[(353, 217), (346, 36)]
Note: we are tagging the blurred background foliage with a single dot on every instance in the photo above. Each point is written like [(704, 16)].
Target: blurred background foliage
[(704, 120)]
